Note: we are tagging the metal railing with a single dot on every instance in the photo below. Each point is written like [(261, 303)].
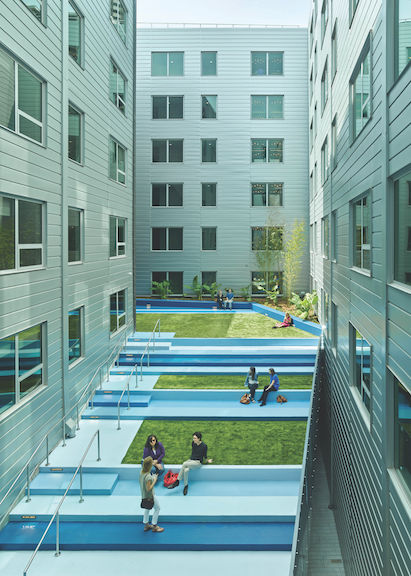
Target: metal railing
[(212, 25), (62, 422), (147, 348), (57, 511), (126, 387)]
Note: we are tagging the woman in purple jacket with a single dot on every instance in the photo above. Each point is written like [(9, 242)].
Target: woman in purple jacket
[(155, 449)]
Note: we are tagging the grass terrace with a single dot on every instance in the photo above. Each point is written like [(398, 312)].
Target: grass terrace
[(230, 382)]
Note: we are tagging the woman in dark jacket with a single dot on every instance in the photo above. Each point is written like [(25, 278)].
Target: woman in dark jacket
[(155, 449)]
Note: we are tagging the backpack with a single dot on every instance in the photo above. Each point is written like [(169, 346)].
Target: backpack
[(245, 399), (169, 478), (281, 399)]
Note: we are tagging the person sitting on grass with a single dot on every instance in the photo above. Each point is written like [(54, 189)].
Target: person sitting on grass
[(155, 449), (273, 386), (229, 297), (251, 382), (286, 323), (147, 482), (198, 457)]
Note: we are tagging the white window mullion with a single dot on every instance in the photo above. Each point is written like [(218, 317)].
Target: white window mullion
[(16, 234), (16, 369), (16, 97)]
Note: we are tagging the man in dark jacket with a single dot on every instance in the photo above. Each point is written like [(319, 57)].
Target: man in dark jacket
[(198, 457)]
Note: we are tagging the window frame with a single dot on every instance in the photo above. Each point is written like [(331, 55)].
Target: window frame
[(267, 52), (324, 86), (267, 230), (81, 60), (202, 195), (202, 238), (267, 148), (72, 363), (201, 61), (167, 194), (118, 315), (167, 106), (167, 237), (80, 211), (334, 51), (352, 10), (117, 169), (364, 246), (167, 144), (278, 277), (401, 223), (405, 478), (358, 69), (43, 15), (266, 96), (334, 144), (362, 391), (267, 195), (397, 72), (81, 137), (118, 244), (167, 278), (116, 22), (325, 161), (325, 237), (324, 19), (113, 64), (203, 141), (333, 236), (202, 106), (168, 63)]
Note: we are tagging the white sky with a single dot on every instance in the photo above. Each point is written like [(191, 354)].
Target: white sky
[(271, 12)]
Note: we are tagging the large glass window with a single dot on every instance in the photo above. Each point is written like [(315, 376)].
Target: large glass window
[(75, 137), (167, 107), (362, 232), (36, 8), (324, 161), (324, 87), (266, 63), (208, 107), (117, 162), (208, 150), (75, 226), (361, 92), (267, 193), (324, 18), (209, 238), (118, 15), (175, 280), (267, 149), (334, 58), (267, 280), (353, 8), (334, 235), (167, 63), (117, 311), (75, 33), (117, 236), (166, 238), (166, 194), (362, 367), (75, 327), (334, 144), (334, 326), (267, 238), (209, 194), (401, 230), (208, 63), (267, 107), (402, 34), (208, 278), (402, 423), (117, 88), (21, 234), (21, 99), (325, 237), (21, 365), (167, 150)]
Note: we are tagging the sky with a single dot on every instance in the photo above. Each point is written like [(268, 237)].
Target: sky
[(270, 12)]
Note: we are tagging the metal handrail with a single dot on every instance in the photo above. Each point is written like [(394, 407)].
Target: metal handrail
[(212, 25), (147, 348), (126, 386), (56, 513), (26, 467)]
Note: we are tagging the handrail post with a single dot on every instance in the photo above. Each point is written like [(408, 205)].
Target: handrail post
[(135, 369), (159, 328), (47, 450), (81, 484), (118, 417), (28, 484), (57, 552), (77, 418), (141, 369), (64, 431), (98, 446), (148, 357), (128, 391)]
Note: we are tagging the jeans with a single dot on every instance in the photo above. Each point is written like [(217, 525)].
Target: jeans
[(252, 388), (155, 510)]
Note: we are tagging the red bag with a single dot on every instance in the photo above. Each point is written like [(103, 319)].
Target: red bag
[(169, 478), (281, 399), (245, 399)]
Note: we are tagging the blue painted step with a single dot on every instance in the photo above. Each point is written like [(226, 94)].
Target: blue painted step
[(55, 483), (221, 359), (130, 536), (111, 399)]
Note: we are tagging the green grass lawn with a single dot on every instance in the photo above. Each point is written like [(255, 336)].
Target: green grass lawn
[(229, 442), (229, 381), (217, 325)]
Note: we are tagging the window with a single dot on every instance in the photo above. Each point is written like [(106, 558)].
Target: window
[(267, 238), (75, 233), (166, 194), (334, 235), (75, 328), (118, 14), (175, 280), (209, 238), (402, 35), (267, 280), (311, 33), (208, 278), (325, 237), (325, 311), (208, 150), (362, 366), (117, 88), (324, 18), (402, 225), (267, 63), (36, 8), (267, 150), (311, 185), (315, 179), (402, 431), (21, 234), (362, 232), (75, 134), (117, 162), (208, 63), (324, 87), (166, 238), (167, 150), (117, 236), (324, 161), (167, 63), (353, 8), (208, 107), (267, 194), (334, 326), (334, 52), (311, 85), (315, 237), (117, 311), (315, 121), (75, 33), (311, 134), (334, 144), (22, 369), (22, 99), (208, 194), (315, 62), (167, 107), (267, 107), (361, 92)]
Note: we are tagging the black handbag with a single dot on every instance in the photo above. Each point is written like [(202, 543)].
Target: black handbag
[(147, 503)]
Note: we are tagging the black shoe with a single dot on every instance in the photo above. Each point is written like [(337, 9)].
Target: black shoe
[(185, 490), (174, 484), (263, 404)]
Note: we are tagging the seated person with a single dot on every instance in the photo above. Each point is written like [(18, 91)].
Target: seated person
[(155, 449), (219, 299), (273, 386), (251, 382), (288, 321), (229, 297), (198, 457)]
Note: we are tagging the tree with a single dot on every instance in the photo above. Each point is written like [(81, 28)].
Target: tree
[(293, 254), (268, 247)]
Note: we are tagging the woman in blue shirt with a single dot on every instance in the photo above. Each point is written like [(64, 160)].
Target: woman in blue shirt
[(273, 386)]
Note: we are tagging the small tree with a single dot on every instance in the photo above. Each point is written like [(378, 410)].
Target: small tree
[(196, 287), (161, 288), (293, 254)]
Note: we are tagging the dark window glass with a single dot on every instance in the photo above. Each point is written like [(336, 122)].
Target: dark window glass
[(75, 33), (258, 194), (74, 135), (209, 238), (158, 238), (402, 230), (159, 63), (74, 235), (209, 106), (113, 234), (208, 150), (7, 234), (158, 192), (175, 194), (363, 368), (159, 107), (208, 278), (403, 431), (209, 194), (175, 150), (175, 238), (176, 282), (258, 150), (175, 107), (159, 150)]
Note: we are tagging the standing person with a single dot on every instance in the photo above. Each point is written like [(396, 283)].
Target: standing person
[(219, 299), (251, 382), (198, 456), (229, 297), (147, 482), (155, 449), (274, 385)]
